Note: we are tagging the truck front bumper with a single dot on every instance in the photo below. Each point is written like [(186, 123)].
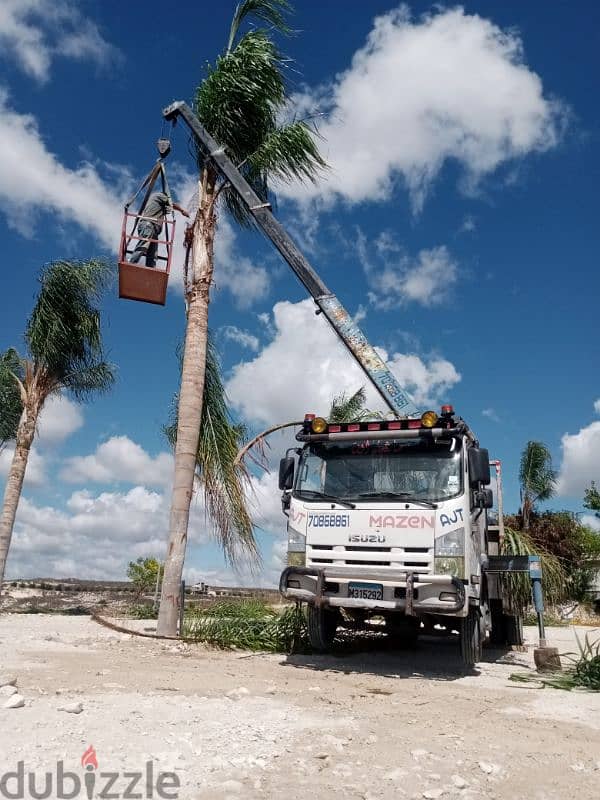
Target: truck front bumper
[(310, 585)]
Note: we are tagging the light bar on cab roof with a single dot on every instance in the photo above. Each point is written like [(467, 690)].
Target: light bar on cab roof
[(429, 422)]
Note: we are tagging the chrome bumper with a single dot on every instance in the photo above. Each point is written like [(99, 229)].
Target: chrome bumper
[(407, 580)]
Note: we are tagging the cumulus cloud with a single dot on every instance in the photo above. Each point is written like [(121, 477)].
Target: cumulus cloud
[(597, 406), (396, 278), (305, 366), (248, 282), (35, 32), (580, 460), (120, 460), (33, 180), (490, 413), (420, 92), (60, 418), (244, 338)]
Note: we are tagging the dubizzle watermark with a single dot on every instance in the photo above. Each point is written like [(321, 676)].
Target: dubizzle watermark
[(90, 783)]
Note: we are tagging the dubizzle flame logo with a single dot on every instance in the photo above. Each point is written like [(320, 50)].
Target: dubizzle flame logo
[(89, 760)]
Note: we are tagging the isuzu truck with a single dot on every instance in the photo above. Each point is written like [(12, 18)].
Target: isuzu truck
[(389, 520)]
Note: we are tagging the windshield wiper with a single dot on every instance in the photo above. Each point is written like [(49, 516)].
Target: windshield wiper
[(396, 496), (320, 496)]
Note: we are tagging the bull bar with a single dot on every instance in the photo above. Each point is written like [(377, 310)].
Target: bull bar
[(410, 580)]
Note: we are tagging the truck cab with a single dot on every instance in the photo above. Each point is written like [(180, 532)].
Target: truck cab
[(388, 520)]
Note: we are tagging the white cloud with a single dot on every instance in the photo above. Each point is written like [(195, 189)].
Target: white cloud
[(591, 521), (490, 413), (468, 224), (398, 279), (247, 282), (580, 460), (420, 92), (120, 460), (33, 180), (34, 32), (241, 337), (597, 406), (60, 418), (305, 366), (35, 474)]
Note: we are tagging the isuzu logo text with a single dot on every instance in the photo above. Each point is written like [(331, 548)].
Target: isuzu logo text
[(366, 537), (402, 521)]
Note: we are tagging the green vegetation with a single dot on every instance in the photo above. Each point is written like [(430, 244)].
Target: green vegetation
[(144, 574), (583, 674), (592, 499), (537, 478), (248, 625)]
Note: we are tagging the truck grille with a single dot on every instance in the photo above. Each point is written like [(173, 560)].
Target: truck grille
[(414, 559)]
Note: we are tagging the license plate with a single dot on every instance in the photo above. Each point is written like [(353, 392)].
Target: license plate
[(365, 591)]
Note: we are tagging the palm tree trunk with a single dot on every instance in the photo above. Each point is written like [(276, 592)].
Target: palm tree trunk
[(14, 484), (190, 408)]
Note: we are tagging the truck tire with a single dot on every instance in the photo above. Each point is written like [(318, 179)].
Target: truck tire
[(322, 625), (513, 627), (470, 638)]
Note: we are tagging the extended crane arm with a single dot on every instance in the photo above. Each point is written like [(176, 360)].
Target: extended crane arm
[(395, 397)]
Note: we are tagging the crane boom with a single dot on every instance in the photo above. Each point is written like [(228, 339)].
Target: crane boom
[(395, 397)]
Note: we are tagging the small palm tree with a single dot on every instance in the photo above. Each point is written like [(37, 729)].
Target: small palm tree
[(240, 103), (64, 354), (537, 478), (351, 408)]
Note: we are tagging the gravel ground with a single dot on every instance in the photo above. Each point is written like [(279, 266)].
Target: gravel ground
[(376, 724)]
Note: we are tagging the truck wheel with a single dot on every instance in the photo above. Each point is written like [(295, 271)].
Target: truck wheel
[(513, 626), (470, 638), (322, 624)]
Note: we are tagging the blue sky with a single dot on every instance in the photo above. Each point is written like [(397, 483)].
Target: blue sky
[(459, 220)]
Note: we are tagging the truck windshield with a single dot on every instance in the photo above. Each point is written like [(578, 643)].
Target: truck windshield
[(357, 470)]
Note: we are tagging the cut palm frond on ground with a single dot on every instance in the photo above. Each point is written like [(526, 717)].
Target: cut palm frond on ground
[(583, 674)]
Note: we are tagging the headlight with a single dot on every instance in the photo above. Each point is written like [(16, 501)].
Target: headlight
[(296, 559), (451, 544), (445, 565), (296, 541), (450, 554)]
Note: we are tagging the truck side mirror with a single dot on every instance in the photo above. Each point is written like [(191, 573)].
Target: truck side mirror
[(286, 473), (483, 499), (479, 467)]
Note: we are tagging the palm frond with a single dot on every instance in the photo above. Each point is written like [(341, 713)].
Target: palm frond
[(223, 480), (269, 11), (554, 577), (63, 332), (351, 408), (11, 404), (288, 152)]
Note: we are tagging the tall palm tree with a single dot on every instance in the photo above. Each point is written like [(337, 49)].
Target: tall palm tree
[(240, 103), (64, 354), (223, 480), (10, 396), (537, 478)]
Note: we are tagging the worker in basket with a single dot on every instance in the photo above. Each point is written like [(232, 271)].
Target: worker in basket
[(152, 217)]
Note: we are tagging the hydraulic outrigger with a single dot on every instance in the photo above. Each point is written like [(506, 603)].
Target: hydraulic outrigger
[(396, 398)]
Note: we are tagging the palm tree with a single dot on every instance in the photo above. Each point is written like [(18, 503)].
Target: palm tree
[(240, 103), (64, 354), (537, 478), (223, 479), (10, 397)]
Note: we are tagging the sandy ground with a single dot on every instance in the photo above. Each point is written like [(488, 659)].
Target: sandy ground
[(377, 724)]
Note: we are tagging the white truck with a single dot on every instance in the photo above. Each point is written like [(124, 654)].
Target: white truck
[(388, 519)]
